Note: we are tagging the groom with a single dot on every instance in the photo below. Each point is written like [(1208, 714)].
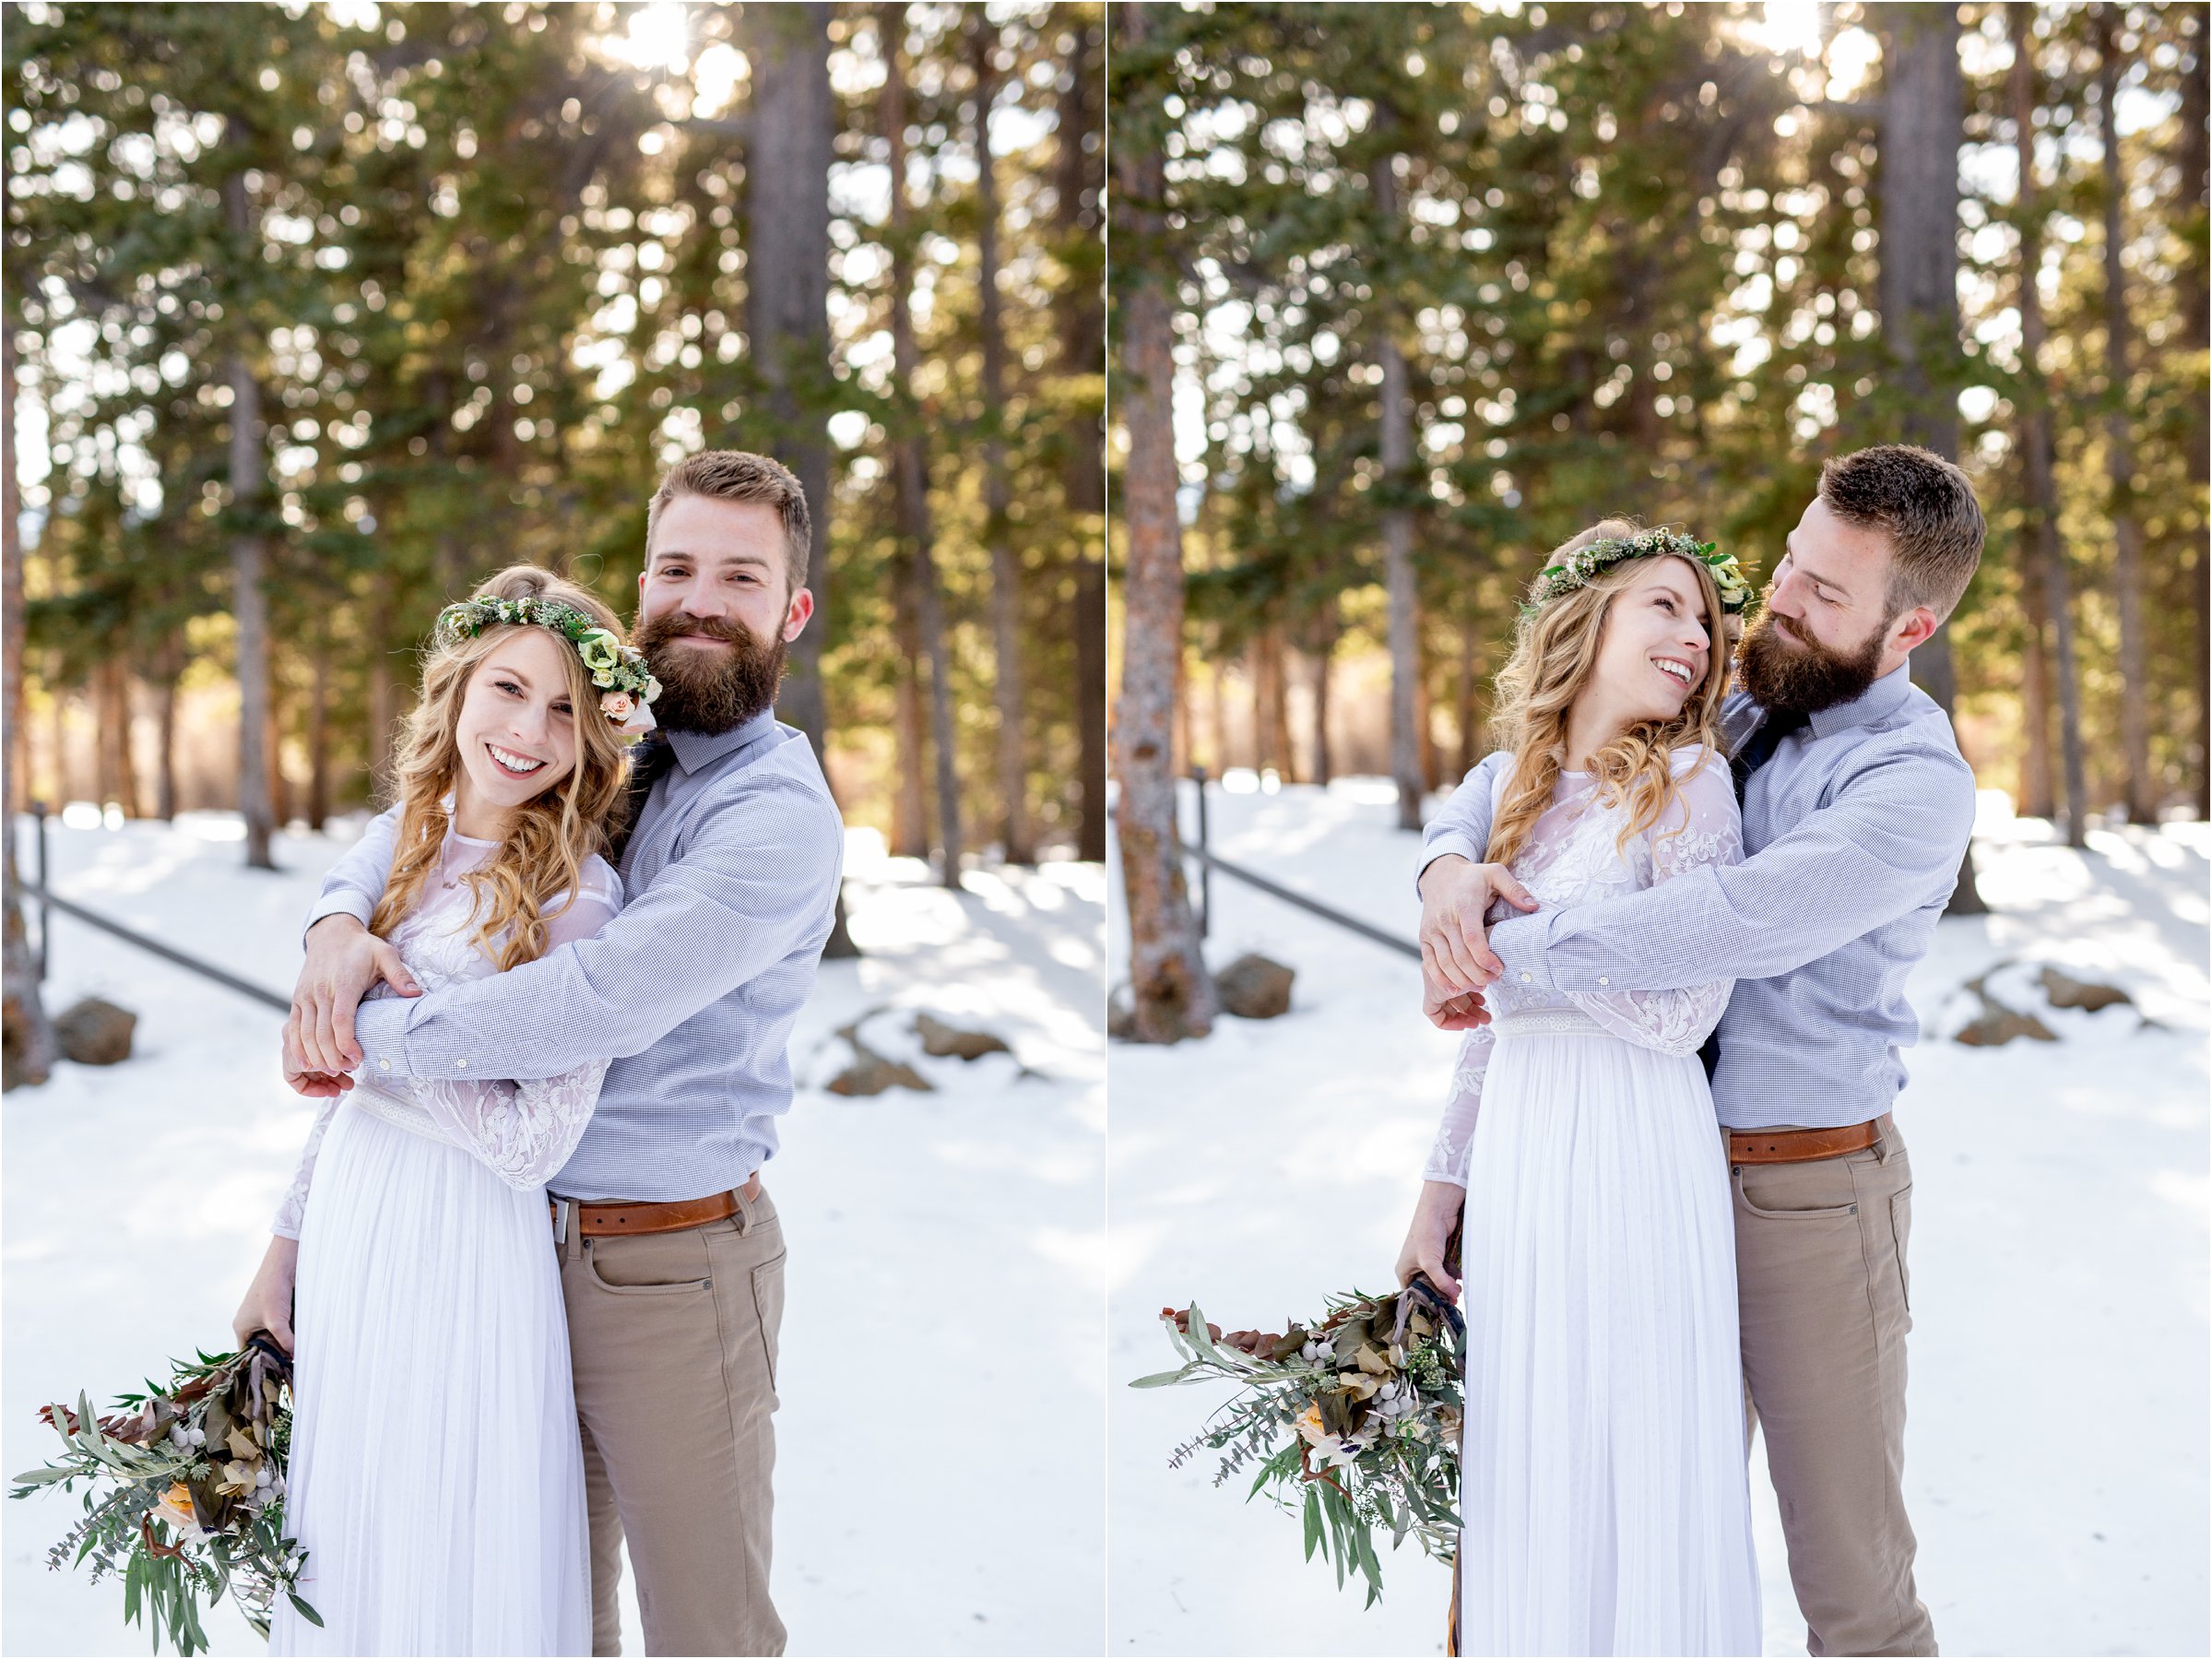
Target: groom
[(672, 1256), (1857, 808)]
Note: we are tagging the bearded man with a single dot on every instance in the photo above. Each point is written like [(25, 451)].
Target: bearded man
[(1856, 809), (671, 1257)]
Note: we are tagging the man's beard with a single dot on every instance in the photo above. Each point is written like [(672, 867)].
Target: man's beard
[(703, 689), (1804, 676)]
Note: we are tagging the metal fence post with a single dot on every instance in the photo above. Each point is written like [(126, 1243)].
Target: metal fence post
[(37, 817), (1205, 865)]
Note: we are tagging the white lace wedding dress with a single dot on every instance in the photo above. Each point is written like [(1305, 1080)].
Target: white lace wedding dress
[(1603, 1478), (436, 1476)]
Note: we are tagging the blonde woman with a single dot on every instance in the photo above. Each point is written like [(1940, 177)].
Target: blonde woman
[(1603, 1478), (437, 1479)]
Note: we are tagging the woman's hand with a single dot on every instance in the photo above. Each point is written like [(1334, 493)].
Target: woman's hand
[(1440, 1206), (269, 1303)]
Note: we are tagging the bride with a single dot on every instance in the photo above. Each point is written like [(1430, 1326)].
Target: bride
[(1603, 1480), (436, 1473)]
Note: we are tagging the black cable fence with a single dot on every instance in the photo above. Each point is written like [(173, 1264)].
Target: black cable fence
[(49, 901), (1210, 860)]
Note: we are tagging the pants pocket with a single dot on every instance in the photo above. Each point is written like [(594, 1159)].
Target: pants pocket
[(1900, 1227), (768, 1308), (664, 1270), (1784, 1210)]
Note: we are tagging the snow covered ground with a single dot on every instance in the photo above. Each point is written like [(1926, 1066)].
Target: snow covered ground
[(941, 1443), (2056, 1458)]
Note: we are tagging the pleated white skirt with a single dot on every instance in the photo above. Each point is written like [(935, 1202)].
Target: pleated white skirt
[(1603, 1480), (436, 1476)]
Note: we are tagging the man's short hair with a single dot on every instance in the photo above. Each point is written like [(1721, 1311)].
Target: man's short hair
[(740, 475), (1927, 508)]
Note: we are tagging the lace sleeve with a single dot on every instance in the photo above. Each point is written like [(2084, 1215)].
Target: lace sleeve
[(1703, 827), (294, 1208), (1447, 1157), (525, 1132)]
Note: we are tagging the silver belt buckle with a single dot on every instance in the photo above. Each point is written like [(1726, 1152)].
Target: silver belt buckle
[(562, 1209)]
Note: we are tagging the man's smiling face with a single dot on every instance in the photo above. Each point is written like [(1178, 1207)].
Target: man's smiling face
[(715, 611)]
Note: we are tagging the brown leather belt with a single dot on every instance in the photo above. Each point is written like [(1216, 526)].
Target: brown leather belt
[(601, 1221), (1803, 1145)]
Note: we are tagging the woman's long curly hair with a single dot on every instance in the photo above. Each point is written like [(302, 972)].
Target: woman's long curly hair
[(1554, 652), (550, 836)]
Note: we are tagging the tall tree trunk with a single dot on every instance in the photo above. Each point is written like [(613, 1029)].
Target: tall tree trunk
[(1395, 442), (2120, 447), (27, 1046), (1079, 178), (318, 739), (2194, 159), (1924, 118), (57, 715), (998, 535), (1321, 643), (910, 799), (912, 458), (118, 770), (383, 710), (1272, 703), (1465, 753), (787, 162), (2038, 452), (1425, 716), (1089, 622), (789, 152), (2037, 795), (165, 773), (249, 480), (1173, 994), (281, 794)]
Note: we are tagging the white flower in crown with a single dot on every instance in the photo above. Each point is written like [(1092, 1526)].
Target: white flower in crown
[(602, 653)]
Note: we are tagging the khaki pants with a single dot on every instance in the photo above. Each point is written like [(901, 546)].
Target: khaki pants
[(672, 1337), (1824, 1301)]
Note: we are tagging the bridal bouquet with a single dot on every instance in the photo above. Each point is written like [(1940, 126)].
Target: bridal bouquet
[(1353, 1421), (187, 1492)]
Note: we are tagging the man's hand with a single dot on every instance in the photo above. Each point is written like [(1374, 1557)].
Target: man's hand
[(269, 1303), (1455, 897), (1440, 1205), (343, 960)]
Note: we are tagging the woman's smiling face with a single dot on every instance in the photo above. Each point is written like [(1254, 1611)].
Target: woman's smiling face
[(517, 727), (1657, 650)]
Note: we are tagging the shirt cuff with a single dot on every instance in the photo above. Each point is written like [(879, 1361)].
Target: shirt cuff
[(380, 1027), (1518, 943), (1440, 844), (341, 901)]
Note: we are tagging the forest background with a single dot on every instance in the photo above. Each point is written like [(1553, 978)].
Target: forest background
[(316, 314), (1419, 290)]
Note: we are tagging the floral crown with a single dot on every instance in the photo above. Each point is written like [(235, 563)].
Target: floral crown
[(626, 686), (1577, 569)]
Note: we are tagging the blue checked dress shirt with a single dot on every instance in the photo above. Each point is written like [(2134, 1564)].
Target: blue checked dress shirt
[(1853, 833), (732, 875)]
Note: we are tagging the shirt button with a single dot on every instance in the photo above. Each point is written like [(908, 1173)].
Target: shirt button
[(383, 1065), (1525, 979), (461, 1065), (1602, 981)]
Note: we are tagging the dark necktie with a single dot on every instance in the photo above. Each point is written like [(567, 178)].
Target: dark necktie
[(1760, 749), (652, 757), (1755, 753)]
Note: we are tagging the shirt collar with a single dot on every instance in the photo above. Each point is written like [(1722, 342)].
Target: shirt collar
[(695, 750), (1877, 702)]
